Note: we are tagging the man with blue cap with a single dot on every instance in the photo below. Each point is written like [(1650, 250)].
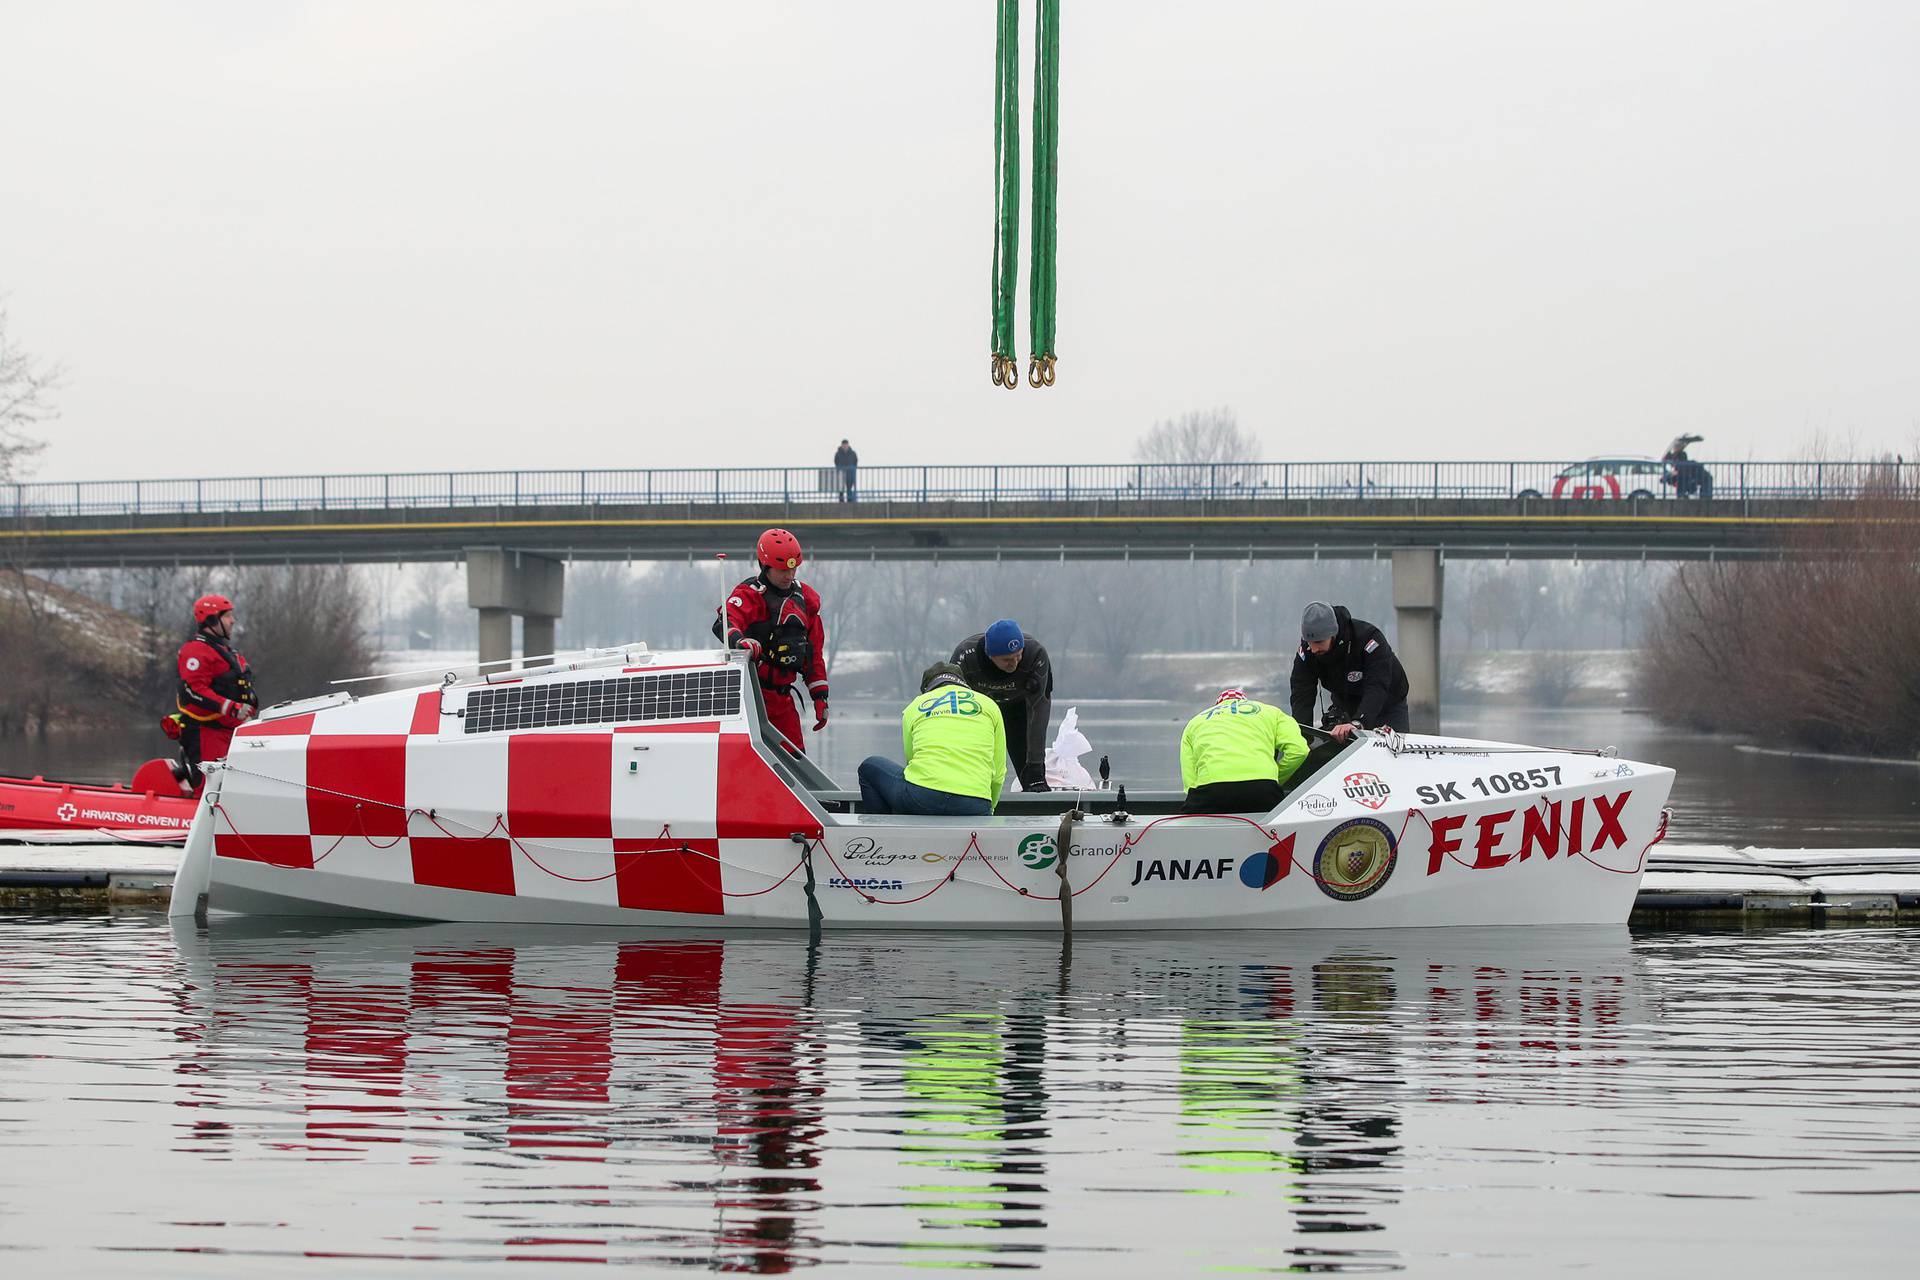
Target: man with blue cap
[(1011, 667)]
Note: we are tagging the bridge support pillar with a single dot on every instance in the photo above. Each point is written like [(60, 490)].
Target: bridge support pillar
[(536, 636), (502, 583), (1416, 605), (496, 635)]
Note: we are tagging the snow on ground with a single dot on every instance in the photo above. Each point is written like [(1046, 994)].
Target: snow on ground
[(390, 661), (1516, 672)]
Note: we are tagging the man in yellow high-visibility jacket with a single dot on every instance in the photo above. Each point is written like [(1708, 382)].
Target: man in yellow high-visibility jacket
[(1235, 755), (956, 746)]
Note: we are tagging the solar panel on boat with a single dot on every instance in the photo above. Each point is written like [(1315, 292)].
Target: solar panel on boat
[(669, 695)]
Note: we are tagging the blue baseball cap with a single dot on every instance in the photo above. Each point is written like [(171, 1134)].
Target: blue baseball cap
[(1004, 637)]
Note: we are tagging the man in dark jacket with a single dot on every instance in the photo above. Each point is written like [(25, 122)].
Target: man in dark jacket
[(847, 463), (1011, 667), (1365, 684)]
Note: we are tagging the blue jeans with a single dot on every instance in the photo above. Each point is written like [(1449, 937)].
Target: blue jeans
[(884, 789)]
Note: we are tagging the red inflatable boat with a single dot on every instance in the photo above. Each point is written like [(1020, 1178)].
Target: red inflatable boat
[(152, 806)]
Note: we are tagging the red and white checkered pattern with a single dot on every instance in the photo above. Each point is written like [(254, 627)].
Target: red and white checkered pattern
[(374, 789)]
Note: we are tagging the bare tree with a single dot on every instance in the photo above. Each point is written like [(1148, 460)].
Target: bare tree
[(1113, 618), (432, 593), (26, 401), (846, 595), (304, 626), (160, 599), (913, 628), (1490, 598), (1627, 588), (1205, 435), (602, 604), (1536, 604), (71, 659), (1751, 646)]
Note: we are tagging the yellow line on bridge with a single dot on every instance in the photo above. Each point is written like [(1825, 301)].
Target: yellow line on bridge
[(421, 526)]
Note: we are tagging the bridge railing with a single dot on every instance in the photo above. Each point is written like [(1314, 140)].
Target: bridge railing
[(985, 482)]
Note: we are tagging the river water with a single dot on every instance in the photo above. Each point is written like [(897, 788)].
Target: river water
[(395, 1101), (1725, 792), (257, 1101)]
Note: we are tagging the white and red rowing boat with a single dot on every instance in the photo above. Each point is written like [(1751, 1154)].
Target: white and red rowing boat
[(630, 787)]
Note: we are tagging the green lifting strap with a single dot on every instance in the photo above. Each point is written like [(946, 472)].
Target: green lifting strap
[(1046, 181), (1006, 196)]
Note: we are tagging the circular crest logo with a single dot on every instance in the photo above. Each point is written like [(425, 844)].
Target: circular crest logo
[(1038, 851), (1354, 860)]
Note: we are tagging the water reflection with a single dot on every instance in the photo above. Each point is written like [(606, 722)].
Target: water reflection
[(1265, 1095), (751, 1104)]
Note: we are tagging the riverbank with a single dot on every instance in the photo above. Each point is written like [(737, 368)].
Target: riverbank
[(1895, 762)]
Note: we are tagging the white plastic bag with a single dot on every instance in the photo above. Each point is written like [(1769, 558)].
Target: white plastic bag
[(1064, 770)]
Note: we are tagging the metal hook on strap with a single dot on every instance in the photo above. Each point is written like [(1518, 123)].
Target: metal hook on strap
[(1033, 372), (1047, 365)]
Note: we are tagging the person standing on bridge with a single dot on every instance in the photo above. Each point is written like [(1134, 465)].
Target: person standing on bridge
[(776, 618), (216, 693), (1365, 683), (847, 463), (1011, 667)]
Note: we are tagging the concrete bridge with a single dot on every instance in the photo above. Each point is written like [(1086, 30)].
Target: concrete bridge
[(517, 530)]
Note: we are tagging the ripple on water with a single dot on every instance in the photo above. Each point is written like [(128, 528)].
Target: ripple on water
[(1431, 1100)]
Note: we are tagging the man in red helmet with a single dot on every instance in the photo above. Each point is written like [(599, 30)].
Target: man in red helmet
[(776, 618), (216, 692)]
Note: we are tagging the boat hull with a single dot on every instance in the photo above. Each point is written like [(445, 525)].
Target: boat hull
[(1545, 893), (414, 806)]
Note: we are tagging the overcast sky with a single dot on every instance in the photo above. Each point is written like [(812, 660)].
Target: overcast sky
[(295, 237)]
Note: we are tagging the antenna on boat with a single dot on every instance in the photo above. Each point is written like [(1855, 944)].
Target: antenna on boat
[(554, 658), (422, 671)]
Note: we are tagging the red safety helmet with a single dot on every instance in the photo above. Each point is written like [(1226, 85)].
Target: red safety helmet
[(1225, 694), (209, 607), (779, 548)]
